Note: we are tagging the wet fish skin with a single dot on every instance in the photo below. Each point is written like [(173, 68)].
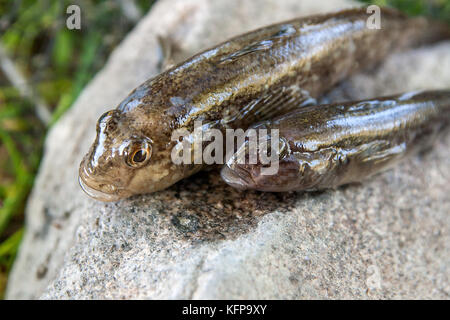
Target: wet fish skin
[(252, 77), (336, 144)]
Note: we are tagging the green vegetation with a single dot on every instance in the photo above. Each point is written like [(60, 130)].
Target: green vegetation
[(57, 63), (437, 9)]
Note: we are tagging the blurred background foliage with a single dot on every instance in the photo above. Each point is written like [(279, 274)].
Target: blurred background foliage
[(56, 63)]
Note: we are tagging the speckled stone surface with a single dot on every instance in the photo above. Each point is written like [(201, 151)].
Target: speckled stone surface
[(386, 238)]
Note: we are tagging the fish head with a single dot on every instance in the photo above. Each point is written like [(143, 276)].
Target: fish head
[(299, 170), (122, 161), (271, 174)]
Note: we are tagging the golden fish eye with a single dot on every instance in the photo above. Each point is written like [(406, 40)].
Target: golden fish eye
[(140, 155)]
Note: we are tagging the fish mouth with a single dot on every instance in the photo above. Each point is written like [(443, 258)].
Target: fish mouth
[(97, 194)]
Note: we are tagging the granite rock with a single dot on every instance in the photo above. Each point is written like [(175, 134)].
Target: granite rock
[(385, 238)]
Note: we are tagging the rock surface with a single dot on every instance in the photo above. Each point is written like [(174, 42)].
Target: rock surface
[(386, 238)]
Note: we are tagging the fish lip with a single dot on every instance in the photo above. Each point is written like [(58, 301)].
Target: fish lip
[(233, 179), (97, 194)]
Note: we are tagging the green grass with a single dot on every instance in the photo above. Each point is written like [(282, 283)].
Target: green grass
[(58, 63)]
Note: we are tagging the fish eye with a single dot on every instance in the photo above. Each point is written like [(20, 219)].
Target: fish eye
[(139, 154)]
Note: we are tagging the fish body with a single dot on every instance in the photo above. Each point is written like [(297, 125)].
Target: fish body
[(336, 144), (250, 78)]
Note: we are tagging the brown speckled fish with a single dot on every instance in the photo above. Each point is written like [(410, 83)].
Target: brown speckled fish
[(249, 78), (331, 145)]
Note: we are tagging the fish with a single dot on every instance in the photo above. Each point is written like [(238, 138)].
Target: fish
[(252, 77), (331, 145)]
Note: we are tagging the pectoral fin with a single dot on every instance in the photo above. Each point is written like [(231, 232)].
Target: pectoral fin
[(379, 155), (271, 104)]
